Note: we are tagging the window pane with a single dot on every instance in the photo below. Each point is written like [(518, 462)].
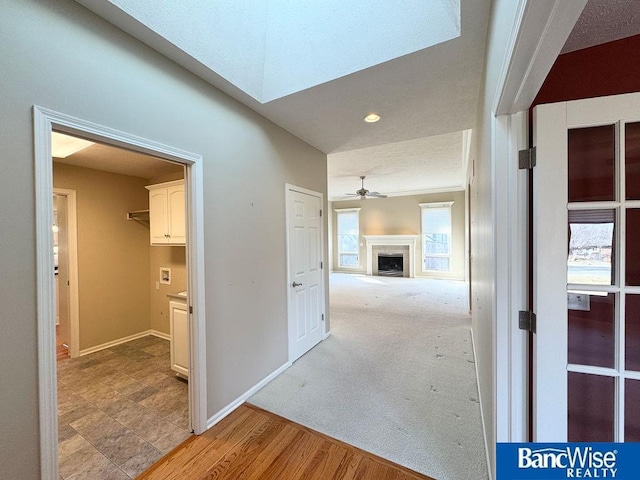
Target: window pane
[(591, 235), (632, 251), (591, 329), (591, 164), (632, 332), (436, 220), (590, 416), (436, 238), (436, 243), (632, 160), (440, 264), (348, 222), (631, 411), (348, 243), (348, 260), (348, 238)]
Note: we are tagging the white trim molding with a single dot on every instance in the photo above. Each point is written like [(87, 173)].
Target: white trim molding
[(245, 396), (393, 240), (539, 33), (120, 341), (45, 121), (436, 204)]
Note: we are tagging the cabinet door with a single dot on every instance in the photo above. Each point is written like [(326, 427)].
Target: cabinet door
[(179, 338), (176, 216), (158, 225)]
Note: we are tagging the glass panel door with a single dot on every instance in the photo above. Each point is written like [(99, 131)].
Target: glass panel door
[(603, 283), (586, 270)]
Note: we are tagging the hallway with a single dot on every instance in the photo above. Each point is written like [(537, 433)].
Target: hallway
[(395, 378)]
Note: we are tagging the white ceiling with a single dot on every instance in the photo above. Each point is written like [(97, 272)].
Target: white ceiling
[(431, 91), (118, 160), (411, 167), (270, 49), (604, 21)]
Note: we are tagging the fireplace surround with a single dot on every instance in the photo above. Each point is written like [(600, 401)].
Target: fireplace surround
[(391, 244)]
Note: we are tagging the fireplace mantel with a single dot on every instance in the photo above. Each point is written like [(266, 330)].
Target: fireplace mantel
[(393, 240)]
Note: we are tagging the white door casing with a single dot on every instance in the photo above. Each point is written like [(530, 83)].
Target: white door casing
[(304, 264), (45, 121), (550, 243)]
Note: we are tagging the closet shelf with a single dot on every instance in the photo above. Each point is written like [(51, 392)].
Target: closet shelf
[(141, 216)]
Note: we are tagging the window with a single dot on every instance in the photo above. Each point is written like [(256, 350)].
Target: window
[(436, 237), (348, 237)]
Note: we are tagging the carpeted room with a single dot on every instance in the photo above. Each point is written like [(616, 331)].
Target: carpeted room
[(396, 377)]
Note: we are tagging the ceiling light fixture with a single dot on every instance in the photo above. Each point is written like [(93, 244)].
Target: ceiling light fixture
[(372, 118), (64, 145)]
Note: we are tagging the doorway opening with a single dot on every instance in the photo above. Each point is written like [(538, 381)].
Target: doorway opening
[(117, 348)]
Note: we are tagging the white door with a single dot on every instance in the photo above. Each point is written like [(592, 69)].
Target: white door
[(304, 256), (61, 252), (586, 367)]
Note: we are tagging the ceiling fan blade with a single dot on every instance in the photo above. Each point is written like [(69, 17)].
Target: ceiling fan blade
[(376, 195)]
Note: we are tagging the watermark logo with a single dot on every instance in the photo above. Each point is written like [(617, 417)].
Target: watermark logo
[(551, 461)]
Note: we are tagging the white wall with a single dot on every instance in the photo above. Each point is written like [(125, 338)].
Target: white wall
[(58, 55), (503, 14)]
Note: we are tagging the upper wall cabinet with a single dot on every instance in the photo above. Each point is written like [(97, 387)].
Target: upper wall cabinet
[(167, 213)]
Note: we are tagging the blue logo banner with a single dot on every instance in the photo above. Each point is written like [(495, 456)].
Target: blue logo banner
[(551, 461)]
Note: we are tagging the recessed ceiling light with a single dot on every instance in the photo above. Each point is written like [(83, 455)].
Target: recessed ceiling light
[(372, 118)]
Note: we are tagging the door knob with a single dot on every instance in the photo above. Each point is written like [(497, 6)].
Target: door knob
[(296, 284)]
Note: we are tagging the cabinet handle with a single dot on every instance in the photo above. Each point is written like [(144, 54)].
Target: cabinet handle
[(296, 284)]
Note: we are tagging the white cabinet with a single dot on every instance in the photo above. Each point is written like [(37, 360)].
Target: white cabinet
[(167, 213), (179, 321)]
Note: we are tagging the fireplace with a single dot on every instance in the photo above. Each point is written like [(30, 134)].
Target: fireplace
[(391, 246), (390, 264)]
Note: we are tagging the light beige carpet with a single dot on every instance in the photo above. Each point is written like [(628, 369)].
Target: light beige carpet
[(396, 377)]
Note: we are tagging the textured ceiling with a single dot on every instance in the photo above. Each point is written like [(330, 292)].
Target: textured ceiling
[(118, 160), (404, 168), (604, 21), (270, 49), (429, 92)]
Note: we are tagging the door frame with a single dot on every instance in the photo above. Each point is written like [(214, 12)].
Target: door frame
[(528, 59), (290, 323), (72, 247), (45, 121)]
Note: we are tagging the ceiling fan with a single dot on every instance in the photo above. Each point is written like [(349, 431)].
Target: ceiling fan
[(363, 193)]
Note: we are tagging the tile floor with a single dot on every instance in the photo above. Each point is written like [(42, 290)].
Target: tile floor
[(119, 411)]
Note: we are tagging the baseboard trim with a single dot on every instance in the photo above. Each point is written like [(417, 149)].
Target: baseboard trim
[(162, 335), (243, 398), (326, 335), (119, 341), (484, 427)]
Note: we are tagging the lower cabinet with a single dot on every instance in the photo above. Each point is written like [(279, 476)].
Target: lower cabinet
[(179, 319)]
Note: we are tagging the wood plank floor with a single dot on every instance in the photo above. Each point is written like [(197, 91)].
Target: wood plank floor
[(252, 443)]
